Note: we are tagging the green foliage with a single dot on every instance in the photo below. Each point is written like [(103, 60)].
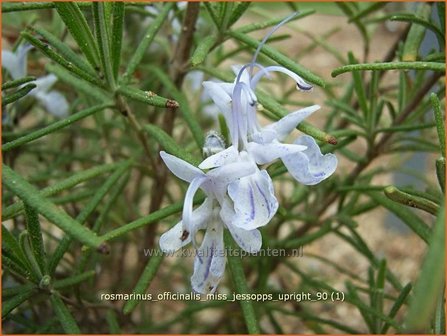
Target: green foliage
[(86, 195)]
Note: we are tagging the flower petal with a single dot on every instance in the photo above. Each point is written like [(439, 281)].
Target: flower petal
[(233, 171), (220, 97), (254, 200), (15, 63), (209, 263), (269, 152), (180, 168), (11, 63), (219, 178), (250, 241), (219, 159), (288, 123), (178, 236), (310, 166), (54, 102), (44, 84)]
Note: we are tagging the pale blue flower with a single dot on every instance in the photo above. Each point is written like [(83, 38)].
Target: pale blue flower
[(237, 101), (209, 262), (53, 101), (240, 195)]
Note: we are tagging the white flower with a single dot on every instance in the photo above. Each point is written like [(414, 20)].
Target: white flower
[(209, 263), (303, 158), (53, 101), (240, 196)]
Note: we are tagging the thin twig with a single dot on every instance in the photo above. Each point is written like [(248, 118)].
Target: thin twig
[(177, 73)]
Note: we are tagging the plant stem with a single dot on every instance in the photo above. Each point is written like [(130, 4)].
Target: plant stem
[(177, 73)]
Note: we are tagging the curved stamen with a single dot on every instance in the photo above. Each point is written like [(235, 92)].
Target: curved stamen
[(266, 37), (300, 83)]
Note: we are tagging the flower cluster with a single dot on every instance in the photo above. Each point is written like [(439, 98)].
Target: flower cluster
[(53, 101), (240, 194)]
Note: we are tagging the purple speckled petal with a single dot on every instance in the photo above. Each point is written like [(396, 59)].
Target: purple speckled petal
[(310, 166), (254, 200), (209, 264), (226, 156), (250, 241)]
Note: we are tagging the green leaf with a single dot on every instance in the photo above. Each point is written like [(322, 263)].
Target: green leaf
[(439, 119), (25, 245), (11, 247), (368, 10), (359, 87), (79, 29), (31, 195), (7, 292), (79, 84), (308, 238), (409, 218), (65, 51), (76, 178), (149, 219), (416, 34), (212, 13), (352, 13), (202, 50), (145, 279), (355, 299), (20, 93), (87, 210), (117, 35), (441, 14), (53, 127), (64, 316), (407, 199), (238, 11), (169, 144), (185, 108), (73, 280), (35, 238), (405, 128), (9, 305), (425, 23), (112, 321), (434, 66), (12, 264), (17, 82), (240, 284), (149, 36), (440, 172), (103, 38), (430, 283), (279, 58), (147, 97), (379, 293), (401, 299), (9, 7), (269, 23)]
